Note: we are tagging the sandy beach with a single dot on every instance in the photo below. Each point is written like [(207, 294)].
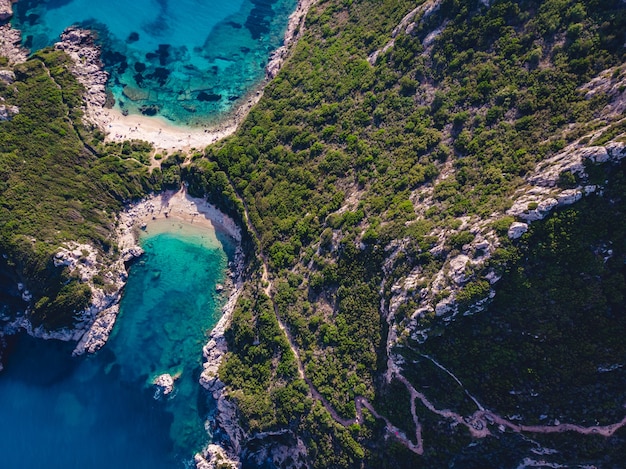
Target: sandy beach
[(168, 137), (171, 205), (164, 135)]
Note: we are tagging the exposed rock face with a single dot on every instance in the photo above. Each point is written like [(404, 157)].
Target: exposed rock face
[(517, 229), (214, 457), (214, 352), (7, 112), (7, 76), (282, 448), (10, 44), (548, 187), (165, 383), (97, 335), (80, 46), (97, 321), (294, 30), (407, 25), (6, 9)]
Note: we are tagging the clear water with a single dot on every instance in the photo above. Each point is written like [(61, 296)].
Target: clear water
[(100, 411), (189, 61)]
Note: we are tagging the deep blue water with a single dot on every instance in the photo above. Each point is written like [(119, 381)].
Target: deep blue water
[(190, 61), (100, 411)]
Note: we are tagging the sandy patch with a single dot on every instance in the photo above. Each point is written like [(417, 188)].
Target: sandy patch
[(171, 205), (166, 136)]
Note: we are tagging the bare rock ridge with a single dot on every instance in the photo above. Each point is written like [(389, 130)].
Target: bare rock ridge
[(542, 192)]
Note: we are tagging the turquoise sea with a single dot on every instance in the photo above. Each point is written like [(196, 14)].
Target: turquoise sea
[(190, 61), (102, 411)]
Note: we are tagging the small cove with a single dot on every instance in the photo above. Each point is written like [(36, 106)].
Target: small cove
[(100, 411), (190, 62)]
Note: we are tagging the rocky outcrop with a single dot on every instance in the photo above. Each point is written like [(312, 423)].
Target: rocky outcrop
[(214, 457), (96, 336), (556, 182), (213, 352), (7, 76), (407, 25), (517, 229), (281, 447), (294, 31), (80, 46), (543, 194), (6, 9), (164, 383), (7, 112), (11, 45)]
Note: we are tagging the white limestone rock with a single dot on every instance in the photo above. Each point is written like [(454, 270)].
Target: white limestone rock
[(457, 268), (214, 457), (11, 45), (98, 333), (7, 76), (80, 46), (7, 112), (517, 229), (594, 154), (165, 383), (6, 9), (132, 253), (569, 196), (617, 150), (445, 306)]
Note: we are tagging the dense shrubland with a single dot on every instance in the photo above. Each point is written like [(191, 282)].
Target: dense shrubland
[(53, 188), (341, 158), (343, 161)]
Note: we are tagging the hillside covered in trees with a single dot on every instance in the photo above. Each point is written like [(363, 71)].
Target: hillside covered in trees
[(434, 197)]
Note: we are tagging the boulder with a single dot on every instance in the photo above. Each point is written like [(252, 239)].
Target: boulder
[(165, 383), (517, 229), (594, 154), (7, 76), (617, 150), (135, 94), (569, 196), (7, 112), (457, 268)]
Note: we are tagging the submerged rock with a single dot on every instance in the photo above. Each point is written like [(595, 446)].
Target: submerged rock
[(135, 94), (151, 110), (209, 97)]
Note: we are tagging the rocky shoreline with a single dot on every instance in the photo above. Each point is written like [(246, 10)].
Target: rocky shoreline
[(98, 320), (6, 10), (295, 27)]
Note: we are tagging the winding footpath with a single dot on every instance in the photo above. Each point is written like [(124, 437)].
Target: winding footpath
[(477, 424)]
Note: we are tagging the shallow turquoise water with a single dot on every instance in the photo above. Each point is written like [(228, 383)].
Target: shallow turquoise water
[(190, 61), (100, 411)]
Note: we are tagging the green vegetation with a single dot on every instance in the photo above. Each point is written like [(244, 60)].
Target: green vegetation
[(53, 188), (335, 162), (557, 320), (350, 174)]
